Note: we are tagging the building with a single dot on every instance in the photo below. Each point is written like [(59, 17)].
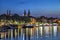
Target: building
[(8, 12), (28, 12), (25, 13)]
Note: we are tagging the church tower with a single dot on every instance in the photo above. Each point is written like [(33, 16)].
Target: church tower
[(28, 12), (24, 12), (8, 12)]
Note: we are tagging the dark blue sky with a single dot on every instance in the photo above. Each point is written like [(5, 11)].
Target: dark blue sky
[(37, 7)]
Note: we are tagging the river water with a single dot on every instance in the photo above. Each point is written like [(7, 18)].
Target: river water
[(36, 33)]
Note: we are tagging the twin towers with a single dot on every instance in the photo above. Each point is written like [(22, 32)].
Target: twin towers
[(25, 14)]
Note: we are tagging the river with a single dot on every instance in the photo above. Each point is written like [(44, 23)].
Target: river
[(36, 33)]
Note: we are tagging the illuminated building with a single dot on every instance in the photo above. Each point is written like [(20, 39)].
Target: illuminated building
[(58, 21), (33, 20)]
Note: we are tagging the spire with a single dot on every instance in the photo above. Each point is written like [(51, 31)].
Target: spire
[(28, 12), (24, 12), (7, 12)]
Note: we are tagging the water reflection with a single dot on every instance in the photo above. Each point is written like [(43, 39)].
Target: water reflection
[(36, 33), (41, 31), (55, 31), (46, 31)]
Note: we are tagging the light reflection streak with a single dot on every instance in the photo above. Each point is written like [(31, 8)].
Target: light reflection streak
[(11, 34), (47, 31), (18, 33), (41, 30), (50, 31), (55, 30), (23, 36), (5, 36)]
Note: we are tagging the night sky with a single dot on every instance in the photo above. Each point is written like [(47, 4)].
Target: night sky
[(37, 7)]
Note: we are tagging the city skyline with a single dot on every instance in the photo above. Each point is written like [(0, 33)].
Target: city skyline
[(37, 7)]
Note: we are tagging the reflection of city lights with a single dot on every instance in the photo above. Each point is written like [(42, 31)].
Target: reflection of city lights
[(46, 28), (2, 35), (41, 32), (55, 30), (31, 32)]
